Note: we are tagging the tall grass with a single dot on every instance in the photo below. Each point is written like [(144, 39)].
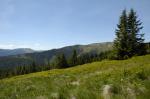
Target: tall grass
[(125, 79)]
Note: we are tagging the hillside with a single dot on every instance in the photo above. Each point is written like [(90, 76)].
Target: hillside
[(41, 57), (125, 79)]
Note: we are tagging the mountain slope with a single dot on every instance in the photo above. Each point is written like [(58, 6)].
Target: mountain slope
[(7, 52), (125, 79), (41, 57)]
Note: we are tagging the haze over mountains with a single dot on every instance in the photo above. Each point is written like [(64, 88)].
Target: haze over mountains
[(7, 52), (41, 57)]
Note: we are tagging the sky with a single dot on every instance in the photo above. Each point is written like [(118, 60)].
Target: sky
[(48, 24)]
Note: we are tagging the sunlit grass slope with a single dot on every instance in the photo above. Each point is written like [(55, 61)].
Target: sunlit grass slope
[(125, 79)]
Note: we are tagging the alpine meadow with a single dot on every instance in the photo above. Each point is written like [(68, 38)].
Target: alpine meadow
[(74, 49)]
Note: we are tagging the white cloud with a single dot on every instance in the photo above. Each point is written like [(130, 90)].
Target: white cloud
[(36, 46), (7, 46)]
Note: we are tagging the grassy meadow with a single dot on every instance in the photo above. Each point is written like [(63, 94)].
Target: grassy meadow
[(115, 79)]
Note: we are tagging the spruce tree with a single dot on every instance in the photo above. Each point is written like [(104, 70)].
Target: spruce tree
[(61, 61), (73, 58), (33, 67), (121, 41), (136, 39), (129, 41), (64, 61)]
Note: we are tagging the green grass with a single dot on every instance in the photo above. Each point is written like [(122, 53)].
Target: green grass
[(128, 79)]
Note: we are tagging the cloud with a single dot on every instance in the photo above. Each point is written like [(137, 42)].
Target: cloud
[(7, 46), (37, 44), (14, 46)]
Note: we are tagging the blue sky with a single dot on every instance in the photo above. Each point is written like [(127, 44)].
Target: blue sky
[(47, 24)]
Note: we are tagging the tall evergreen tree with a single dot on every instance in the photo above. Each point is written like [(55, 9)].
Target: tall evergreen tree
[(33, 67), (129, 41), (61, 61), (121, 41), (73, 59), (136, 39)]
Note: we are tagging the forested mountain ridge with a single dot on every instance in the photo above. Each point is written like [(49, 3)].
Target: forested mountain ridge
[(44, 56)]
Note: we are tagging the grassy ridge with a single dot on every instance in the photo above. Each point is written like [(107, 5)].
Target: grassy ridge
[(126, 79)]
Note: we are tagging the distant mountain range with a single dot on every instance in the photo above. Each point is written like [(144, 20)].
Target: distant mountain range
[(8, 52), (41, 57)]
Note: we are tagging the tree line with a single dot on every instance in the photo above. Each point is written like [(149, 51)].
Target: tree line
[(59, 62)]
